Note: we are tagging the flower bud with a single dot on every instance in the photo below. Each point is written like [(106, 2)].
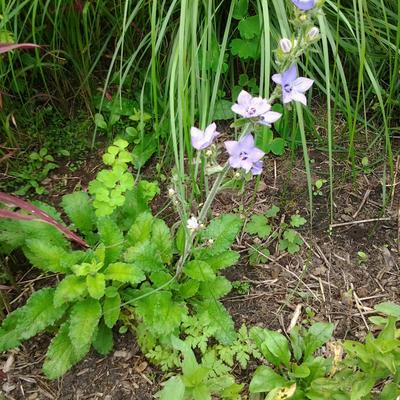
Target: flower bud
[(285, 45), (171, 192), (313, 33)]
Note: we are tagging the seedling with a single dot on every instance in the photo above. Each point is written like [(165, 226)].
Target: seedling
[(319, 183)]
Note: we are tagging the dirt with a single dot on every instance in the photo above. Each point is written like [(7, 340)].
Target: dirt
[(326, 279)]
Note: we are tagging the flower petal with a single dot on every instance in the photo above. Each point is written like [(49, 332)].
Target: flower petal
[(289, 75), (269, 118), (255, 154), (304, 5), (232, 147), (247, 142), (244, 98), (257, 168), (302, 84), (297, 96), (239, 109), (277, 78)]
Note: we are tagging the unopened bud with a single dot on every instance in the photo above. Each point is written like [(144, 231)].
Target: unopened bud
[(313, 33), (285, 45), (171, 192), (237, 175), (208, 153), (303, 17)]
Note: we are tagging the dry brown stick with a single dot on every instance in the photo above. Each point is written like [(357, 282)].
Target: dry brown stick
[(295, 318), (364, 200), (359, 306), (363, 221), (392, 194)]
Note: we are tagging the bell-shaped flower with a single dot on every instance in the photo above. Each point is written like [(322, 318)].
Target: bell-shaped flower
[(293, 88), (202, 139), (248, 106), (244, 154), (304, 5)]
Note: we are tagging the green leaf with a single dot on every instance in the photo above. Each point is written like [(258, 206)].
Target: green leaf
[(300, 371), (61, 355), (79, 210), (140, 231), (174, 389), (161, 238), (84, 319), (143, 151), (389, 308), (362, 387), (259, 226), (112, 237), (220, 320), (297, 220), (277, 146), (223, 260), (145, 256), (216, 288), (71, 288), (103, 339), (258, 254), (240, 10), (272, 212), (161, 315), (390, 391), (249, 27), (201, 392), (96, 285), (266, 379), (37, 314), (49, 257), (245, 49), (199, 271), (318, 334), (222, 110), (189, 288), (99, 121), (277, 345), (222, 232), (126, 273), (111, 310)]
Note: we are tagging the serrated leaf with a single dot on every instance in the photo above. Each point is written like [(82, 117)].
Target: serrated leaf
[(272, 212), (216, 288), (84, 320), (126, 273), (112, 237), (71, 288), (103, 339), (49, 257), (297, 220), (222, 110), (189, 288), (37, 314), (79, 210), (199, 271), (140, 231), (222, 232), (161, 315), (96, 285), (220, 320), (266, 379), (223, 260), (145, 256), (161, 238), (259, 226), (111, 310), (61, 355)]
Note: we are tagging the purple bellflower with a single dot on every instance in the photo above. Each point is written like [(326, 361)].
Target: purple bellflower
[(202, 139), (244, 154), (248, 106), (293, 88), (304, 5)]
